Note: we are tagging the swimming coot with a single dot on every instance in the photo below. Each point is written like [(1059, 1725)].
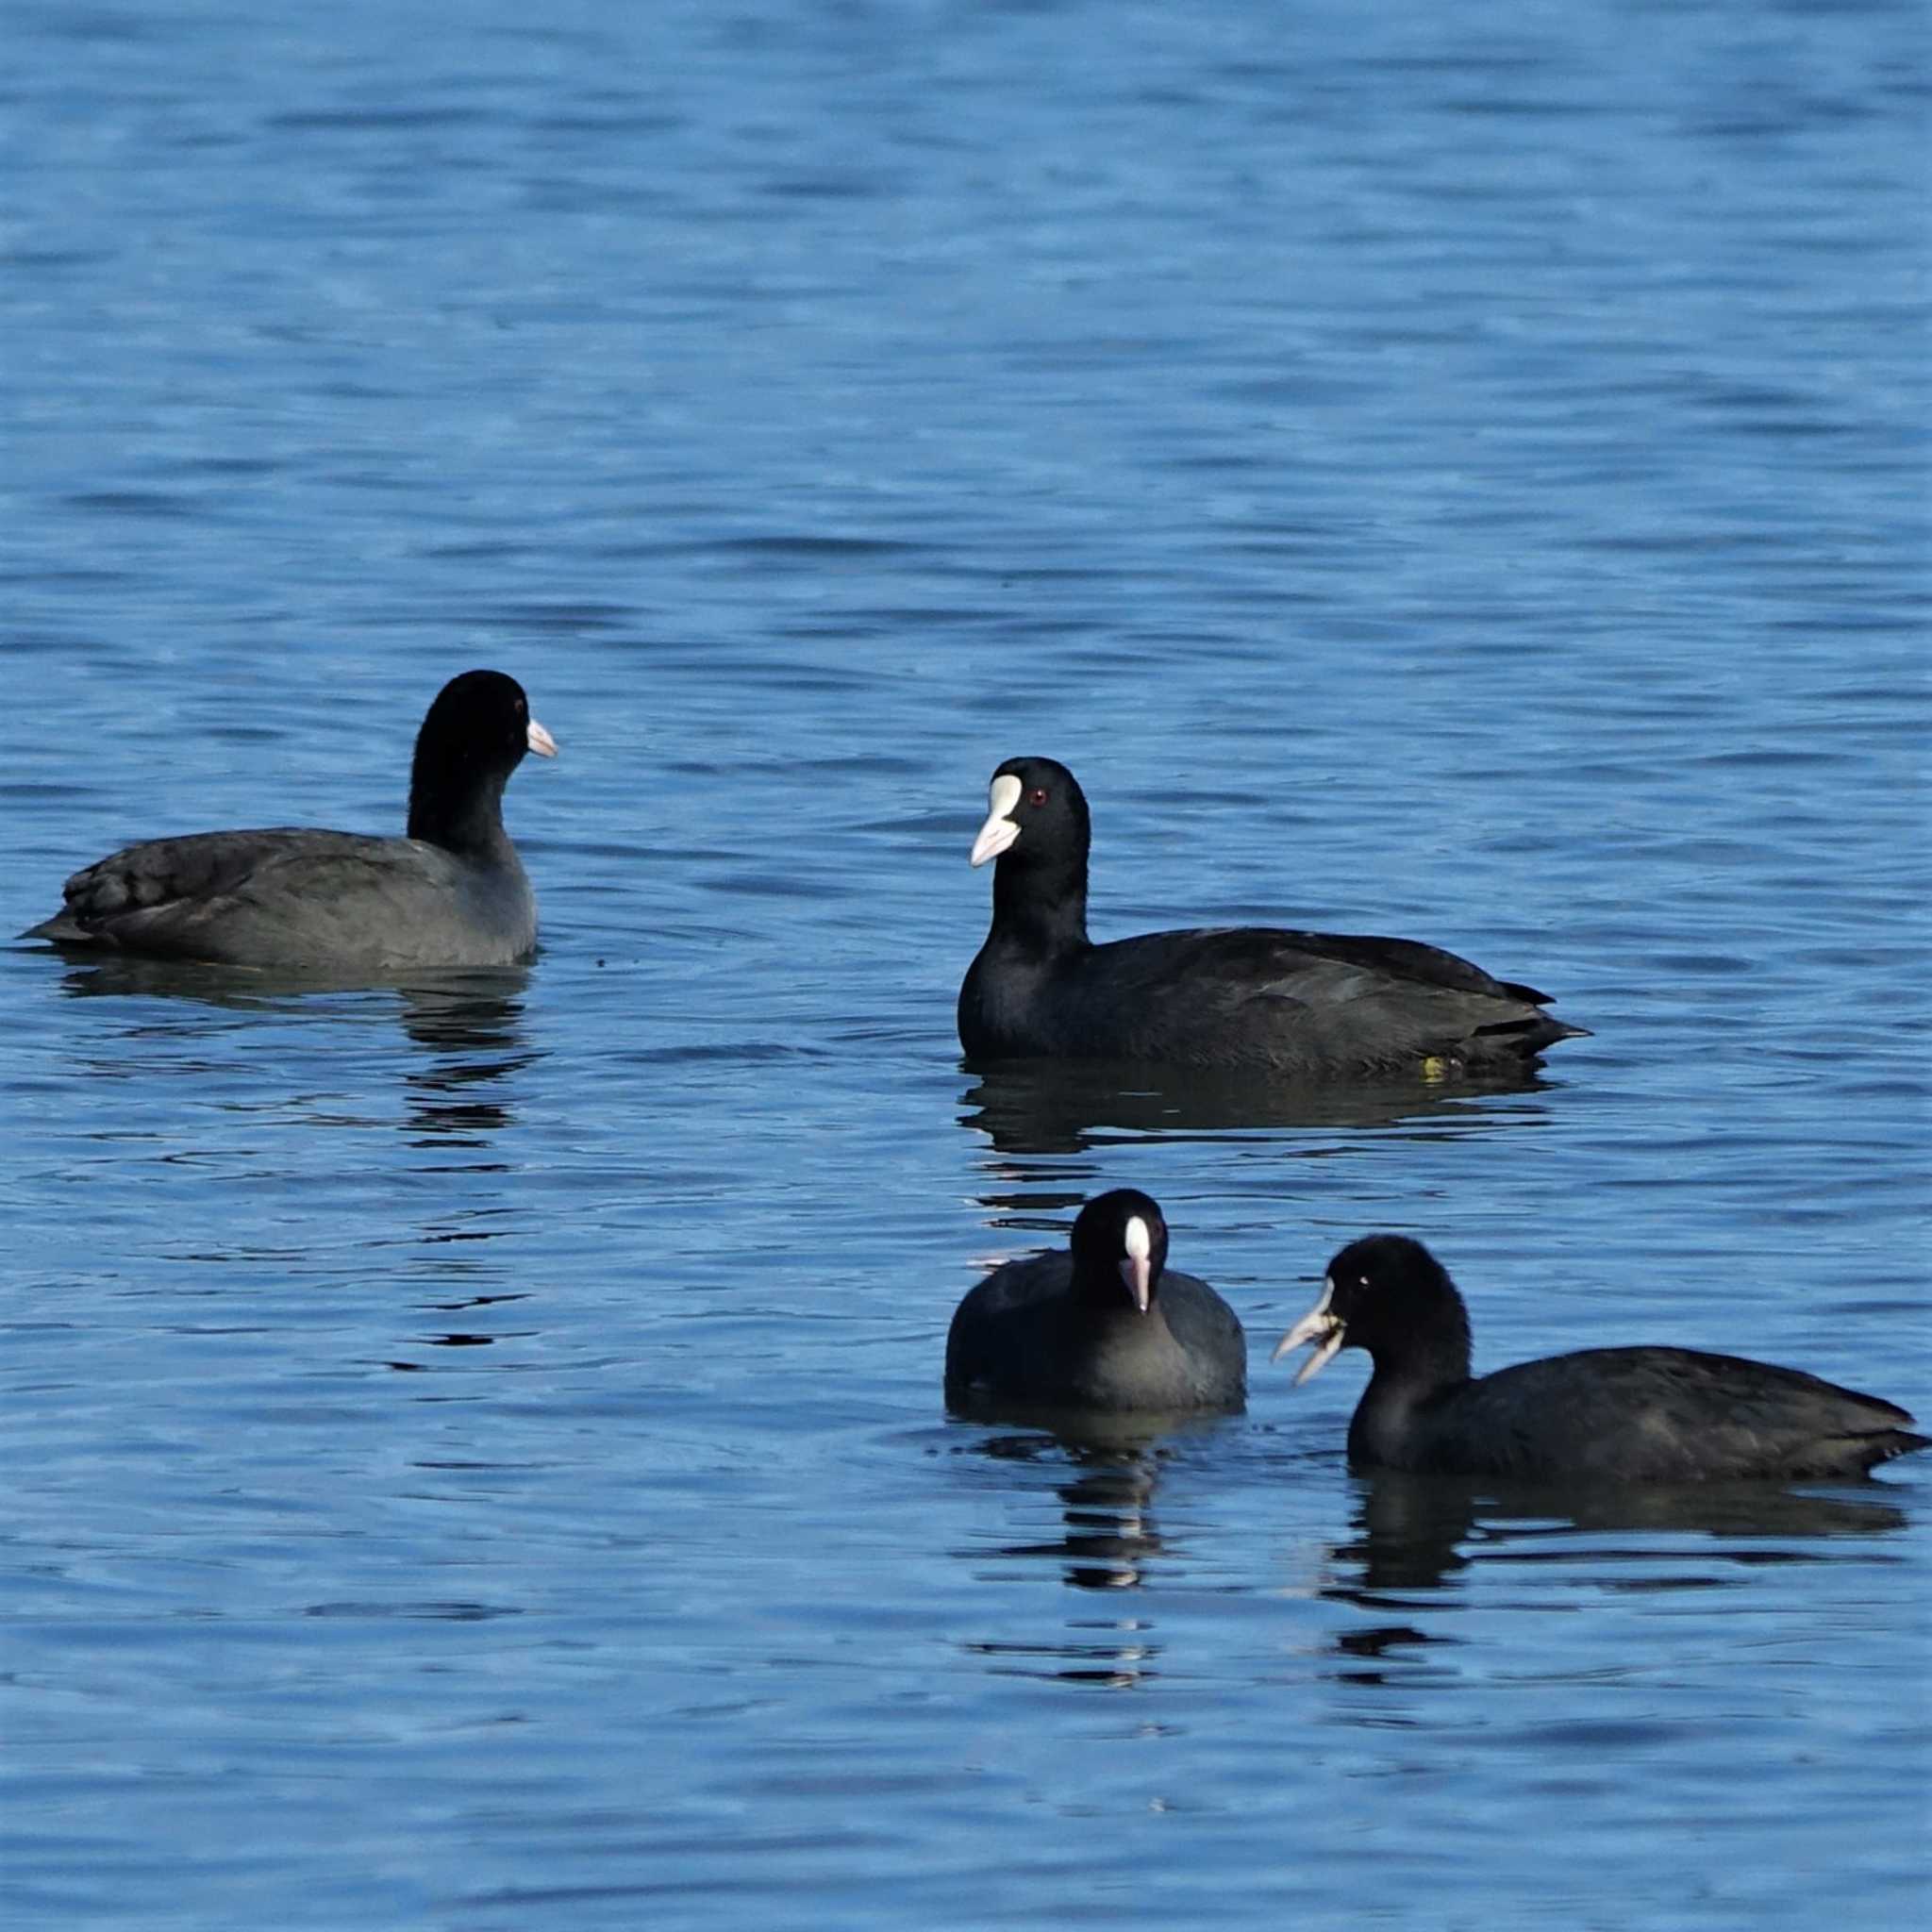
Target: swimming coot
[(1302, 1003), (1101, 1326), (1599, 1415), (451, 892)]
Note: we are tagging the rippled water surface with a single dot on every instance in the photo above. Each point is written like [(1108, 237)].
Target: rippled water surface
[(475, 1451)]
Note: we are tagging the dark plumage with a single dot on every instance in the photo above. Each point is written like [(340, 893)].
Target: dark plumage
[(1599, 1415), (451, 892), (1098, 1326), (1302, 1003)]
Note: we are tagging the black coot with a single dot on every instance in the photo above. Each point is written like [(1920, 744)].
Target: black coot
[(1302, 1003), (1101, 1326), (1599, 1415), (450, 893)]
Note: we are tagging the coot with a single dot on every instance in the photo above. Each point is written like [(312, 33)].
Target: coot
[(1302, 1003), (451, 892), (1099, 1326), (1599, 1415)]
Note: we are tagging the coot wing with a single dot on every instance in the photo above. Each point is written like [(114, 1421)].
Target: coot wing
[(1659, 1414), (296, 897), (1210, 1336), (996, 1320), (1304, 999)]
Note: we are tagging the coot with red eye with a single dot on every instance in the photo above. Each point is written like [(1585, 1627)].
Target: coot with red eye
[(451, 892), (1602, 1415), (1306, 1005), (1100, 1326)]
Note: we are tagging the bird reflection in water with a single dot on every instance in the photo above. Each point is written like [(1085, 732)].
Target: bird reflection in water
[(464, 1051), (469, 1026), (1108, 1539), (1051, 1106), (1105, 1505), (470, 1030), (1418, 1539), (458, 1338)]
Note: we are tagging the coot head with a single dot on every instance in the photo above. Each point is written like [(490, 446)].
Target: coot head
[(1388, 1294), (474, 737), (1035, 813), (1120, 1245)]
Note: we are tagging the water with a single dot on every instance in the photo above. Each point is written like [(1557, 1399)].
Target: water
[(474, 1452)]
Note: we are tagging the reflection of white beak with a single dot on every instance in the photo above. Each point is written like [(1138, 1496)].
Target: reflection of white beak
[(1000, 829), (541, 741), (1318, 1326), (1137, 1270)]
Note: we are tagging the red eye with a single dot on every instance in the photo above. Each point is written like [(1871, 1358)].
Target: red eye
[(1038, 795)]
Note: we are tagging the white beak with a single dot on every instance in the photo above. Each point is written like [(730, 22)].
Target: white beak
[(1001, 828), (541, 741), (1137, 1270), (1317, 1326)]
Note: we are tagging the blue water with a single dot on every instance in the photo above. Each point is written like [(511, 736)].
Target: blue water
[(474, 1452)]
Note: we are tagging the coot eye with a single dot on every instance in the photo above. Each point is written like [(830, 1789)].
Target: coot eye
[(1037, 797)]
